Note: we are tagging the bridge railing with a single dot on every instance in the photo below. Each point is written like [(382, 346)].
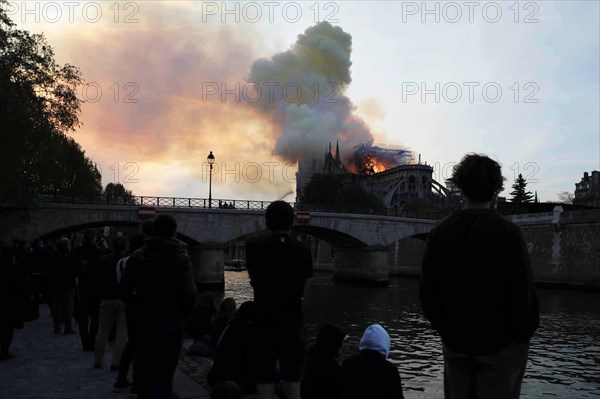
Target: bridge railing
[(252, 205), (178, 202)]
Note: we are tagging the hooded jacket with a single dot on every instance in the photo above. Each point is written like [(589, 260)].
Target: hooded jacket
[(368, 374), (375, 338), (159, 282)]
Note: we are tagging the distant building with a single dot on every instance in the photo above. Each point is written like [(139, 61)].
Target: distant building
[(394, 186), (454, 190), (407, 182), (587, 191), (308, 166)]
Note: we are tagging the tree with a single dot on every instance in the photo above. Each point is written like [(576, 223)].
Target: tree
[(38, 108), (519, 195), (566, 197), (321, 189), (355, 197), (118, 193), (330, 190)]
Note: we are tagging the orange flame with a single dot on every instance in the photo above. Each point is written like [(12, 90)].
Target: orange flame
[(370, 162)]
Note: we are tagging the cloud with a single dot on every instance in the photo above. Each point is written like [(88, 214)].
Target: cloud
[(147, 99)]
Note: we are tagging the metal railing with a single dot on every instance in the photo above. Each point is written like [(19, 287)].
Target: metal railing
[(136, 200), (230, 204)]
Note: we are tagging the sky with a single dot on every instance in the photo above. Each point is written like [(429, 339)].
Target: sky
[(259, 83)]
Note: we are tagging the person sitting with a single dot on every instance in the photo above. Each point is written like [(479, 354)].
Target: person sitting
[(224, 315), (198, 326), (323, 369), (232, 356), (369, 374)]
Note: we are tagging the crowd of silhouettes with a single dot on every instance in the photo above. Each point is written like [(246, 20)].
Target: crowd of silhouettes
[(138, 292), (144, 290)]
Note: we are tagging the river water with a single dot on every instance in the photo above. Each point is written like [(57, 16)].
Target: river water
[(564, 359)]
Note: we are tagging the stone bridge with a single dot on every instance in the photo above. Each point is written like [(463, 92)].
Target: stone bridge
[(360, 241), (564, 246)]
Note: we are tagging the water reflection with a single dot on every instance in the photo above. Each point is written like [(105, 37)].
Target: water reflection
[(565, 352)]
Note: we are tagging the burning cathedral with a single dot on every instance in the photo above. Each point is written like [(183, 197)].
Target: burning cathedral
[(391, 174), (320, 113)]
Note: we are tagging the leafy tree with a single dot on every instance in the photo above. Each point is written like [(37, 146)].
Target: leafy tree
[(356, 197), (519, 193), (117, 190), (38, 108), (415, 205), (321, 189), (118, 193), (327, 189), (566, 197)]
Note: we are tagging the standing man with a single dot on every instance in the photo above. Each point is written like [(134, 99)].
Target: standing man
[(87, 289), (64, 269), (159, 281), (278, 268), (477, 290), (112, 308)]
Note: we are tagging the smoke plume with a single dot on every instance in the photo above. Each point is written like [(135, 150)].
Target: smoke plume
[(303, 90)]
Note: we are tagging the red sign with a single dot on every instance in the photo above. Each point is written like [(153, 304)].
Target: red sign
[(146, 212), (302, 217)]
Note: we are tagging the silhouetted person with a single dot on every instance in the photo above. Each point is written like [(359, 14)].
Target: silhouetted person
[(64, 268), (222, 318), (37, 268), (477, 290), (323, 369), (369, 374), (159, 279), (233, 352), (87, 287), (147, 228), (278, 267), (112, 308), (198, 326), (15, 305), (122, 383)]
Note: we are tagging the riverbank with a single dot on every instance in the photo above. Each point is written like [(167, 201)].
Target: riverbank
[(53, 366)]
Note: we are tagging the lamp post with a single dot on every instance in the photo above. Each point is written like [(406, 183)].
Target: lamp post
[(211, 159), (371, 172)]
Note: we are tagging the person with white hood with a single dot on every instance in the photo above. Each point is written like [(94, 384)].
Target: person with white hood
[(368, 374)]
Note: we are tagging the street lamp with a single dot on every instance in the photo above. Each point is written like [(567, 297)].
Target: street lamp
[(371, 172), (211, 159)]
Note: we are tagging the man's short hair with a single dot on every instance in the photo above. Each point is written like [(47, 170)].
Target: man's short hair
[(147, 228), (279, 216), (135, 242), (478, 177), (165, 226)]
